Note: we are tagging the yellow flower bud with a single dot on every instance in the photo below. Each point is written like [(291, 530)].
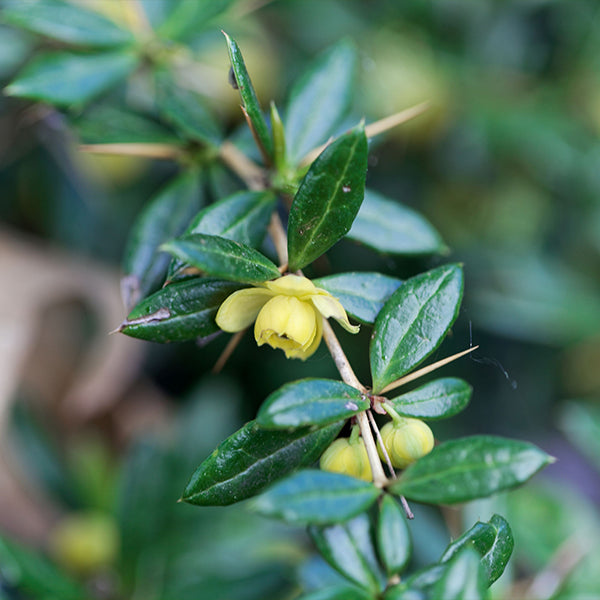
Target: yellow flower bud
[(406, 440), (85, 543), (288, 311), (347, 456)]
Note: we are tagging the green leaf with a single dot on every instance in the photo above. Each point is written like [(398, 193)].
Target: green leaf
[(494, 542), (181, 311), (64, 21), (186, 110), (316, 497), (328, 198), (242, 217), (393, 536), (320, 100), (104, 124), (464, 578), (437, 399), (348, 548), (338, 592), (33, 576), (68, 79), (251, 458), (469, 468), (391, 228), (310, 402), (413, 323), (401, 592), (163, 218), (188, 18), (249, 99), (361, 294), (223, 258)]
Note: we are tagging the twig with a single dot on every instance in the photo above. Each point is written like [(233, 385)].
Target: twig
[(428, 369), (279, 237), (232, 344), (382, 445), (160, 151), (256, 137), (250, 173)]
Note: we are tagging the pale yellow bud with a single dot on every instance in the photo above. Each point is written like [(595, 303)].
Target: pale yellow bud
[(406, 440), (348, 457)]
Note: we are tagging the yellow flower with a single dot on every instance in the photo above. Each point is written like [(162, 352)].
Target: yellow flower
[(289, 314), (347, 456), (406, 440)]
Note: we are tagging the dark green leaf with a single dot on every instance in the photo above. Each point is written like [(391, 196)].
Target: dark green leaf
[(249, 99), (64, 21), (361, 294), (163, 218), (338, 592), (181, 311), (186, 110), (469, 468), (33, 576), (388, 227), (242, 217), (393, 537), (401, 592), (437, 399), (251, 458), (221, 257), (67, 79), (494, 542), (320, 100), (105, 124), (413, 323), (464, 578), (188, 18), (310, 402), (348, 548), (328, 198), (316, 497), (423, 580)]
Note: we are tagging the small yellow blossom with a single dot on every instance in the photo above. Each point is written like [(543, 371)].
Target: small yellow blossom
[(288, 311), (406, 440), (349, 457)]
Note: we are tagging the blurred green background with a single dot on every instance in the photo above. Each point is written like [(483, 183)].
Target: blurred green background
[(505, 164)]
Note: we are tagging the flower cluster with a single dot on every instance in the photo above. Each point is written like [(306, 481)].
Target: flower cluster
[(288, 314)]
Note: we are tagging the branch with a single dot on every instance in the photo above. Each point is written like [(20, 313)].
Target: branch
[(160, 151), (247, 170)]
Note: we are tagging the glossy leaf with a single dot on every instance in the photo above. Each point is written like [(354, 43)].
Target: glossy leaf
[(348, 548), (163, 218), (65, 21), (391, 228), (104, 124), (437, 399), (188, 18), (361, 294), (220, 257), (186, 110), (393, 536), (310, 402), (252, 458), (338, 592), (181, 311), (316, 497), (328, 198), (493, 541), (243, 217), (464, 579), (469, 468), (319, 100), (402, 592), (68, 79), (33, 576), (413, 323), (248, 95)]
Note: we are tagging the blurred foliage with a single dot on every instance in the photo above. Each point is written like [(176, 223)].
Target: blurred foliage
[(505, 165)]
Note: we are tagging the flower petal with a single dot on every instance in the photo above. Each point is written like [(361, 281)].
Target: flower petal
[(291, 285), (329, 306), (241, 308)]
